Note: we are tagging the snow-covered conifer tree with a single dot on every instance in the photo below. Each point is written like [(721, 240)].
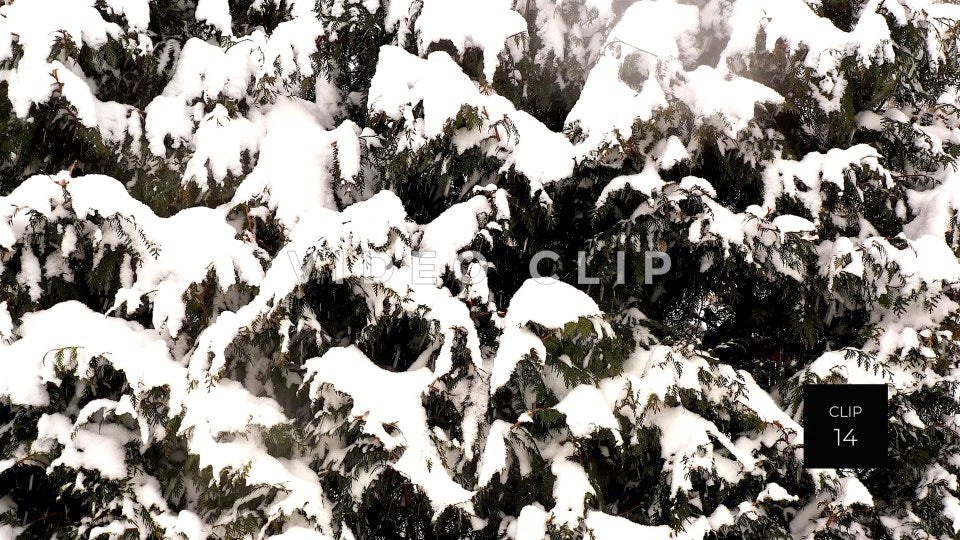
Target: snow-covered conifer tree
[(270, 268)]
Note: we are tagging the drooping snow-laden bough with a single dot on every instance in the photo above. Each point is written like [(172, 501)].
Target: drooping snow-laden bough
[(191, 190)]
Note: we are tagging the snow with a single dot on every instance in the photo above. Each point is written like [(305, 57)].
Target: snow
[(782, 176), (451, 231), (206, 70), (709, 93), (34, 26), (609, 527), (216, 13), (351, 372), (186, 523), (294, 175), (220, 142), (608, 107), (836, 363), (207, 421), (683, 438), (136, 12), (721, 223), (300, 533), (792, 224), (587, 411), (795, 23), (29, 274), (687, 440), (656, 40), (363, 224), (647, 182), (852, 491), (515, 344), (180, 251), (951, 510), (173, 253), (932, 476), (209, 71), (494, 460), (576, 39), (403, 81), (934, 207), (570, 487), (6, 324), (691, 183), (98, 450), (289, 187), (29, 362), (775, 492), (870, 120), (167, 117), (552, 305), (531, 523), (236, 409), (486, 24), (671, 152)]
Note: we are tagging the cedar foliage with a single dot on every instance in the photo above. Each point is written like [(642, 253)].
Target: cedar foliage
[(187, 207)]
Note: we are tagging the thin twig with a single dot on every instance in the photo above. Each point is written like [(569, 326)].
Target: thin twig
[(618, 40)]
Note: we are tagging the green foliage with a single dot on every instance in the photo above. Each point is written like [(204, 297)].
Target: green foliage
[(732, 319)]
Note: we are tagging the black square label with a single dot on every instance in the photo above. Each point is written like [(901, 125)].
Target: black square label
[(844, 425)]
